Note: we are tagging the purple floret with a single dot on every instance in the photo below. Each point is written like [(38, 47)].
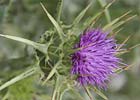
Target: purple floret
[(95, 59)]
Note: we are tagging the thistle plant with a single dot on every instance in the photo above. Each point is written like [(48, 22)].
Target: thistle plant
[(75, 55)]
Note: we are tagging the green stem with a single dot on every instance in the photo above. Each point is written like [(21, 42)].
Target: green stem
[(61, 95), (88, 93), (107, 14), (6, 96), (55, 92), (8, 12), (59, 9)]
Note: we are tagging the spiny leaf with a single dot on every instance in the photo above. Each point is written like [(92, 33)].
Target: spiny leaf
[(28, 73), (40, 47), (52, 72), (81, 15), (58, 28)]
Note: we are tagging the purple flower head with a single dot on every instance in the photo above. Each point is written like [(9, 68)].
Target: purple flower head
[(95, 59)]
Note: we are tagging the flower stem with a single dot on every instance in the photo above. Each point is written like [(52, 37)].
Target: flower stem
[(59, 9), (88, 93), (107, 15)]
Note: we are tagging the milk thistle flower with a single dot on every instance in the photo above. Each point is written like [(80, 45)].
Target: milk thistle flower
[(95, 60)]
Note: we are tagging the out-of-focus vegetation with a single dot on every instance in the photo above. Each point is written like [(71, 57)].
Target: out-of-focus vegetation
[(26, 18)]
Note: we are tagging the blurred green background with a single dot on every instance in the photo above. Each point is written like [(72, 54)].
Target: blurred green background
[(26, 18)]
